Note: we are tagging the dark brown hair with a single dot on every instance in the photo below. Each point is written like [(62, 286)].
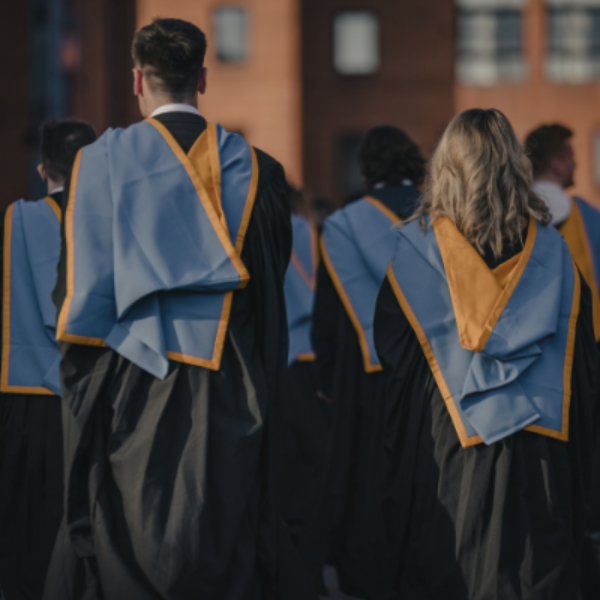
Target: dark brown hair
[(61, 139), (388, 155), (170, 53), (545, 143)]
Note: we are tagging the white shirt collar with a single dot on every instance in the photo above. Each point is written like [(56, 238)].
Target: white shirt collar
[(60, 188), (168, 108), (558, 203)]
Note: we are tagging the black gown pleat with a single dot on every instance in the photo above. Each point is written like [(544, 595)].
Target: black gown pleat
[(306, 443), (498, 522), (31, 492), (344, 525), (168, 482)]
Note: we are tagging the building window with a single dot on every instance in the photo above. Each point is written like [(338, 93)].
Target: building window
[(490, 42), (231, 35), (573, 41), (356, 43), (351, 181)]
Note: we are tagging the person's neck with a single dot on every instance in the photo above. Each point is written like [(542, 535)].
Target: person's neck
[(152, 103), (54, 185), (552, 178)]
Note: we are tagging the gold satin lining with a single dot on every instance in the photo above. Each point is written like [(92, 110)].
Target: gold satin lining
[(203, 167), (563, 434), (390, 214), (61, 327), (4, 386), (573, 230), (208, 168), (362, 336), (49, 200), (479, 294), (505, 270), (465, 440), (308, 280), (311, 282)]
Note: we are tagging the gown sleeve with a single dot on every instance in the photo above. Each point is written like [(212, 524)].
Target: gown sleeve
[(266, 254)]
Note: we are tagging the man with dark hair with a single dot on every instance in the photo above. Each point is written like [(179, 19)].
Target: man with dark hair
[(356, 247), (551, 153), (173, 335), (31, 483), (61, 139)]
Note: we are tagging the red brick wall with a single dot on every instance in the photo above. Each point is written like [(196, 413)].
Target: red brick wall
[(413, 88), (536, 101), (102, 88)]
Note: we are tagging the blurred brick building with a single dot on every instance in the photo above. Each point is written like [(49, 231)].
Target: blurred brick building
[(301, 79), (539, 62), (57, 58), (304, 79)]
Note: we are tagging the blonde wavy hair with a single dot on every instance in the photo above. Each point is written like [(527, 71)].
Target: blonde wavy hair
[(481, 179)]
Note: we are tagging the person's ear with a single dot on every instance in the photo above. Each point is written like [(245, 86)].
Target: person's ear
[(138, 86), (202, 82), (42, 172)]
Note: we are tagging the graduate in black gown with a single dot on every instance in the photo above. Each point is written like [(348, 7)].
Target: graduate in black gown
[(345, 526), (484, 328), (307, 419), (174, 340), (31, 469), (550, 150)]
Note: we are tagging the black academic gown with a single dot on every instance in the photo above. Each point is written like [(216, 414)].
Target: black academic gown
[(591, 550), (500, 522), (31, 484), (189, 458), (306, 442), (345, 525)]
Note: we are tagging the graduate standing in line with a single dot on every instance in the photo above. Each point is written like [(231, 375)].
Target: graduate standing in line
[(307, 419), (173, 332), (31, 451), (484, 328), (346, 526), (551, 153)]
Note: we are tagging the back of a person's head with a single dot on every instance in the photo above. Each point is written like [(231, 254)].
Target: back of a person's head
[(545, 143), (170, 53), (388, 155), (61, 139), (298, 199), (481, 179)]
